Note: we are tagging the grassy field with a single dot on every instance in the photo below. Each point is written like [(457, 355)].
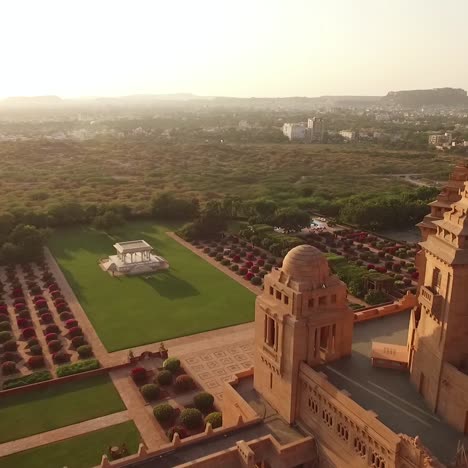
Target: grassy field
[(191, 297), (79, 452), (61, 405)]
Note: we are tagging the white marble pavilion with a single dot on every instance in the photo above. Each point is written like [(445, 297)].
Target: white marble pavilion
[(134, 258)]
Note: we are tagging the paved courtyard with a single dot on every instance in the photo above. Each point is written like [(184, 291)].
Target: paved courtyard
[(212, 367)]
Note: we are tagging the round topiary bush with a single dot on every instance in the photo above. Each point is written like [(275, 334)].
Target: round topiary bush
[(84, 351), (163, 413), (150, 391), (184, 383), (172, 364), (203, 401), (47, 318), (8, 368), (139, 375), (164, 377), (78, 341), (10, 345), (54, 345), (61, 356), (66, 316), (5, 336), (191, 418), (36, 350), (235, 267), (179, 429), (5, 326), (75, 331), (256, 280), (70, 323), (51, 337), (215, 419), (43, 311), (10, 356), (32, 342), (24, 314), (34, 362), (52, 329)]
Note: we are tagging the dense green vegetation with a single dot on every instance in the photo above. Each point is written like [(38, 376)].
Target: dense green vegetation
[(57, 406), (78, 452), (191, 297)]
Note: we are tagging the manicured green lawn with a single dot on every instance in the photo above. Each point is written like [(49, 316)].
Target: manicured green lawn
[(61, 405), (191, 297), (84, 451)]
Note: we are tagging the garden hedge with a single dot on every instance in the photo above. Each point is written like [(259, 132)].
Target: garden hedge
[(150, 391), (172, 364), (35, 377), (164, 377), (78, 367), (84, 351), (203, 401)]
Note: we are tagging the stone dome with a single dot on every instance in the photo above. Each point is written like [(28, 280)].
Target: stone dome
[(305, 263)]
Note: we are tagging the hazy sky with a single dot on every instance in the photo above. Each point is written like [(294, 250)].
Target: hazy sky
[(231, 47)]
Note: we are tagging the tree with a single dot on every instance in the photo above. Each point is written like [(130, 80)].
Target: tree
[(168, 206), (291, 219)]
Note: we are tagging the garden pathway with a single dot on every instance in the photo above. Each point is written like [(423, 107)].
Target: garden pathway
[(257, 290), (150, 431), (98, 348), (62, 433)]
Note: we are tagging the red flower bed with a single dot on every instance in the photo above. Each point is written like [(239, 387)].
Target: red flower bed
[(381, 269), (20, 306), (56, 294), (236, 258), (3, 308), (370, 266), (38, 298), (249, 276), (62, 307), (260, 262), (40, 303), (4, 317), (28, 333), (254, 268), (248, 264)]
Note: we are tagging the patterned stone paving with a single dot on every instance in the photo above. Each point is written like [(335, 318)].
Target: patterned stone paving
[(212, 367)]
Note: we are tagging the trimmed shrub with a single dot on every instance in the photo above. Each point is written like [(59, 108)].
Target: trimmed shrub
[(61, 356), (66, 315), (184, 383), (234, 267), (78, 367), (28, 333), (172, 364), (32, 342), (215, 419), (5, 326), (150, 392), (47, 318), (139, 375), (43, 311), (36, 350), (10, 356), (75, 331), (34, 362), (78, 341), (52, 329), (54, 345), (4, 317), (5, 336), (62, 307), (51, 337), (163, 412), (256, 280), (164, 377), (71, 323), (24, 314), (203, 401), (191, 418), (10, 345), (9, 367), (84, 351), (179, 429)]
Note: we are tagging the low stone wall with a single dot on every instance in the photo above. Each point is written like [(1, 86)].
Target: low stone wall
[(405, 303), (235, 409)]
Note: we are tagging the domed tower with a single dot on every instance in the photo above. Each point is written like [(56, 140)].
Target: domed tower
[(301, 316)]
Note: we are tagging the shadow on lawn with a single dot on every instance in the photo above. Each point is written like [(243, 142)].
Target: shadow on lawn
[(170, 286)]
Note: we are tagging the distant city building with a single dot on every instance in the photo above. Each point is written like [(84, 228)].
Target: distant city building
[(440, 140), (316, 129), (294, 131), (348, 135)]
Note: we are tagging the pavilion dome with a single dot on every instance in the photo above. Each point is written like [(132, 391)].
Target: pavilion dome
[(307, 264)]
